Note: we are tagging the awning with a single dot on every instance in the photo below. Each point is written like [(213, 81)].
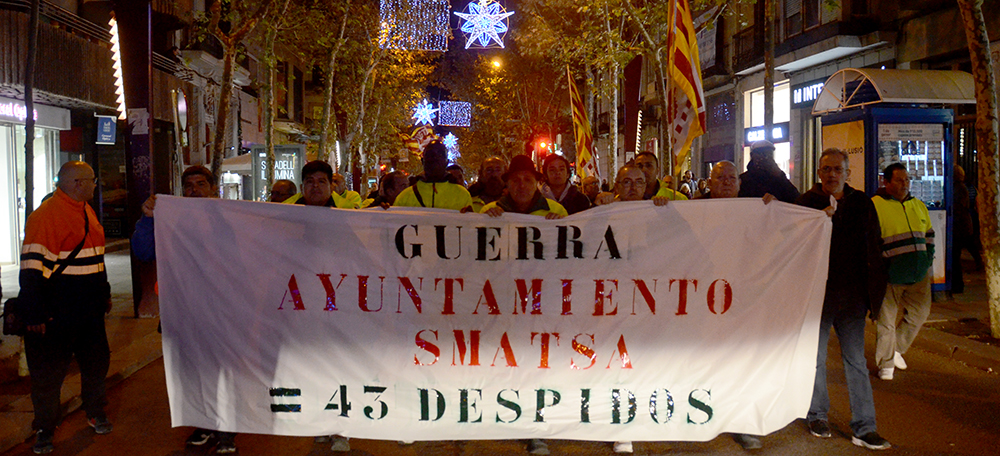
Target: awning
[(239, 164), (856, 87)]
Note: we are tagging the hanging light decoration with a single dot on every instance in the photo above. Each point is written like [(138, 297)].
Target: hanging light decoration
[(485, 22), (414, 25)]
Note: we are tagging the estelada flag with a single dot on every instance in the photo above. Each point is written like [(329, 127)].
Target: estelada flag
[(687, 99), (585, 163)]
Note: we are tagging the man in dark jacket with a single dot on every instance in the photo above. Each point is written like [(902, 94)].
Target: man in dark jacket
[(763, 175), (555, 169), (854, 288)]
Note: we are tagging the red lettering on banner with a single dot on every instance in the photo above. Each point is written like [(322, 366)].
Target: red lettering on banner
[(727, 296), (449, 293), (363, 293), (599, 297), (682, 293), (584, 350), (646, 295), (404, 282), (508, 352), (567, 296), (459, 346), (427, 345), (536, 296), (331, 291), (544, 342), (293, 288), (622, 352), (490, 298)]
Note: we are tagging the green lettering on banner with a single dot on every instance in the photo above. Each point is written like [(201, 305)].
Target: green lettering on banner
[(700, 404), (425, 404), (465, 405), (513, 406), (285, 392), (378, 390), (344, 405)]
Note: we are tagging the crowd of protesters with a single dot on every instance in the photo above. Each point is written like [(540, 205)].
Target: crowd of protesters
[(878, 244)]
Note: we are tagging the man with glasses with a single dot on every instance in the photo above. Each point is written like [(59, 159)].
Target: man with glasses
[(855, 286), (650, 167), (65, 292)]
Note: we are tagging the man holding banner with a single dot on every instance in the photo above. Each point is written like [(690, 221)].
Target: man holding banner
[(854, 288)]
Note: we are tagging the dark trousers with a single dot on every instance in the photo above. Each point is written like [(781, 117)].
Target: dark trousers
[(49, 356)]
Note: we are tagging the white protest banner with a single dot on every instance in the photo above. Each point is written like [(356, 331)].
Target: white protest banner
[(624, 322)]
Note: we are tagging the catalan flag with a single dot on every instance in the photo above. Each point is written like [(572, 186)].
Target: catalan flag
[(687, 99), (586, 165)]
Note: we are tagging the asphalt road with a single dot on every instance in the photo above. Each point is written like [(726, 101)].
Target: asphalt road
[(937, 406)]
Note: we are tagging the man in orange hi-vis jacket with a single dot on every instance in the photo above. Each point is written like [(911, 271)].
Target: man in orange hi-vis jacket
[(66, 293)]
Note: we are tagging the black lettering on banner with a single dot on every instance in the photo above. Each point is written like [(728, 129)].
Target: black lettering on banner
[(465, 405), (564, 239), (612, 245), (415, 252), (513, 406), (700, 404), (654, 406), (285, 392), (540, 403), (344, 405), (616, 406), (369, 409), (442, 245), (425, 404), (482, 234), (523, 241)]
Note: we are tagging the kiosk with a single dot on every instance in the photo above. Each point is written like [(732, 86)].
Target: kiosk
[(880, 117)]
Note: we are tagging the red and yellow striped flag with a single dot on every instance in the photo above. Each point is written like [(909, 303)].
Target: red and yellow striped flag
[(687, 99), (586, 165)]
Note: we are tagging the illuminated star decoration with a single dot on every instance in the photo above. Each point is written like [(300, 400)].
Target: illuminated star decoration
[(486, 21), (451, 142), (423, 113)]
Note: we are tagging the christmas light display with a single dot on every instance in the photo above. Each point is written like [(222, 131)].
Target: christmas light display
[(485, 22), (414, 25), (423, 113), (451, 142), (116, 59), (455, 113)]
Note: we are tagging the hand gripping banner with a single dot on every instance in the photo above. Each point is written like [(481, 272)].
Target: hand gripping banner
[(625, 322)]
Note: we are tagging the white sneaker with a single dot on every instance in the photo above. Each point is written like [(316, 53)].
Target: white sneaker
[(340, 444), (885, 373), (623, 447), (898, 361)]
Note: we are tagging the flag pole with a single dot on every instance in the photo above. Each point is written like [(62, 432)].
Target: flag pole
[(671, 37)]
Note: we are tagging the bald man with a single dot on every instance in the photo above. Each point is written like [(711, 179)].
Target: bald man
[(724, 181), (65, 291)]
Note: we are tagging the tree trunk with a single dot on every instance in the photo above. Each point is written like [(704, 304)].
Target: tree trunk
[(768, 69), (29, 108), (986, 135), (267, 98), (222, 112), (666, 146), (331, 68), (616, 73)]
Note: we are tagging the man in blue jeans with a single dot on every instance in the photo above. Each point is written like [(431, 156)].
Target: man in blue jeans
[(855, 286)]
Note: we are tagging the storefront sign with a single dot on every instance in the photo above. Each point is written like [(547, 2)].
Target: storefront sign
[(45, 116), (288, 162), (106, 129), (778, 135), (805, 94), (413, 324)]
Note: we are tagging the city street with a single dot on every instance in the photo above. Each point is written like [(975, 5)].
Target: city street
[(937, 406)]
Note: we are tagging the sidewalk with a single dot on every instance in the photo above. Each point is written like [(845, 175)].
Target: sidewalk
[(135, 342)]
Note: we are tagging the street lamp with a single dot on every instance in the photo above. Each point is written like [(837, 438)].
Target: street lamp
[(496, 63)]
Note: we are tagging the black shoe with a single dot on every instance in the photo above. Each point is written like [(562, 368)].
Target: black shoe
[(872, 441), (747, 441), (538, 446), (820, 428), (225, 446), (101, 425), (199, 437), (43, 442)]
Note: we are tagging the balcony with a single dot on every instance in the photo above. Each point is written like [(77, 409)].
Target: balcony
[(748, 49)]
